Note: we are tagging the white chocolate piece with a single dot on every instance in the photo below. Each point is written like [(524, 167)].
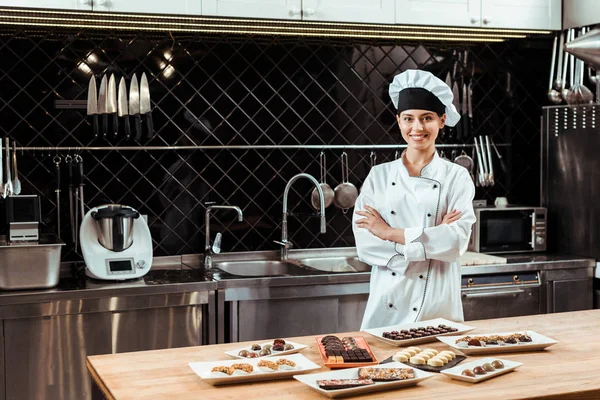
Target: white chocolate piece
[(435, 362), (450, 353), (442, 359), (425, 356), (434, 351), (417, 360), (400, 357), (410, 351), (429, 353), (447, 357), (415, 348)]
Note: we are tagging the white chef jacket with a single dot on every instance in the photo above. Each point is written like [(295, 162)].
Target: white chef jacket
[(421, 279)]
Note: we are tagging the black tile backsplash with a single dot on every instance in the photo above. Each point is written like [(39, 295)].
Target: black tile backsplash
[(214, 90)]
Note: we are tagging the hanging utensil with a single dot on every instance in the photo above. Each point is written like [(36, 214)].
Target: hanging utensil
[(56, 161), (1, 171), (553, 95), (16, 183), (559, 82), (465, 161), (92, 105), (345, 193), (81, 185), (580, 94), (595, 80), (480, 179), (490, 165), (102, 105), (111, 104), (486, 170), (134, 107), (145, 107), (328, 193), (8, 188), (470, 102), (69, 163), (502, 163), (123, 108), (569, 59), (76, 160)]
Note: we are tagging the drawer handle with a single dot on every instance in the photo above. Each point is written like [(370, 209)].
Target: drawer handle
[(501, 293)]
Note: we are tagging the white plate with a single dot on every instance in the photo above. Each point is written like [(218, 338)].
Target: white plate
[(378, 332), (538, 342), (455, 372), (203, 370), (352, 373), (296, 349)]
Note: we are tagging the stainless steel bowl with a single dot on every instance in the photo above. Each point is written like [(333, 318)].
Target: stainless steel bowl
[(114, 225)]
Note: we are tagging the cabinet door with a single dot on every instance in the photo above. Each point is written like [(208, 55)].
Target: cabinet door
[(570, 295), (64, 4), (521, 14), (193, 7), (280, 9), (439, 12), (380, 11)]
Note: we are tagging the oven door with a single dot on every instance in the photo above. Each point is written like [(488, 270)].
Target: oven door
[(506, 231), (501, 302)]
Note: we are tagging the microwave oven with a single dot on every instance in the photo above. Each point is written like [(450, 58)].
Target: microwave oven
[(512, 229)]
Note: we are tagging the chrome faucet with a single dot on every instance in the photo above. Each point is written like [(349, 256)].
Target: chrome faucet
[(285, 243), (208, 250)]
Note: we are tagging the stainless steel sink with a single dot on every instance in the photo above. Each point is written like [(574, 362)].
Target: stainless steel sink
[(261, 268), (336, 264)]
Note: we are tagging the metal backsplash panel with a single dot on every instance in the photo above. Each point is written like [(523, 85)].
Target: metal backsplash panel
[(213, 90)]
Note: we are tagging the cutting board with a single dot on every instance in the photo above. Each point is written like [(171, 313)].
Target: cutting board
[(472, 258)]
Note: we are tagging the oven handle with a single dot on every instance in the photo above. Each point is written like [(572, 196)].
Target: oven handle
[(533, 230), (500, 293)]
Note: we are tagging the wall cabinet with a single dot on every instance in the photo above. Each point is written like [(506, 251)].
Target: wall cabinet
[(509, 14), (191, 7), (64, 4), (276, 9), (380, 11)]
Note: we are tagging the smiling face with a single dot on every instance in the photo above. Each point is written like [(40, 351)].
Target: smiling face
[(420, 128)]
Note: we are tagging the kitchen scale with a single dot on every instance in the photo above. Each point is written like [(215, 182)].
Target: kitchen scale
[(116, 243)]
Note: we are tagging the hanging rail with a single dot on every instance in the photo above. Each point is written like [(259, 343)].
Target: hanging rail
[(241, 147)]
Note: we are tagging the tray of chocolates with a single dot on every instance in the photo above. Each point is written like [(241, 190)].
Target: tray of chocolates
[(481, 370), (277, 347), (347, 352), (429, 360), (418, 332), (502, 342)]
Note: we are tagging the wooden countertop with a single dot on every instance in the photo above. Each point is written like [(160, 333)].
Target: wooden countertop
[(569, 369)]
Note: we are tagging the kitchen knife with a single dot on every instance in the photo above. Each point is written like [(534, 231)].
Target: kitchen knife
[(92, 104), (111, 105), (456, 102), (145, 105), (102, 103), (122, 108), (465, 112), (134, 106)]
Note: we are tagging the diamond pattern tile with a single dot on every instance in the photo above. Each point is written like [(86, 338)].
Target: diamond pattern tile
[(226, 90)]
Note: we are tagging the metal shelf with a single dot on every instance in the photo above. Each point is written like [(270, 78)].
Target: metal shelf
[(242, 147)]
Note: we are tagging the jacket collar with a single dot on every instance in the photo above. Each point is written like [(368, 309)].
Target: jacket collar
[(428, 171)]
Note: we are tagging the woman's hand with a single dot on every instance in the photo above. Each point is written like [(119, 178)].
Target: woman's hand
[(452, 216), (373, 223)]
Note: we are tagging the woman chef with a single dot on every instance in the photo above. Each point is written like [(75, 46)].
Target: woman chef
[(413, 218)]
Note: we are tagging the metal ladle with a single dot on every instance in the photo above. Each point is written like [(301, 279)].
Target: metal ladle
[(553, 94), (580, 94), (595, 79), (569, 59), (559, 82)]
